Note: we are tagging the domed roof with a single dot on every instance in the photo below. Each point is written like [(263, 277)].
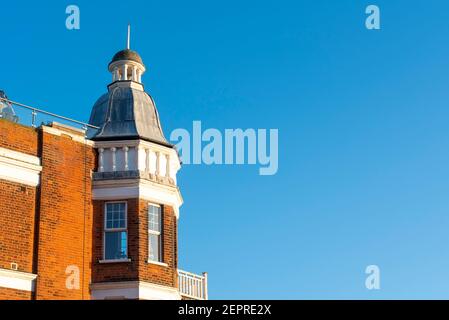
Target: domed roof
[(126, 113), (127, 54)]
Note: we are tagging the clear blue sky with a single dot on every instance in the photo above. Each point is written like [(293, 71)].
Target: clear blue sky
[(362, 117)]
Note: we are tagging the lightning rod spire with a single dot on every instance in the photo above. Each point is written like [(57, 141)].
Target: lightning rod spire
[(129, 37)]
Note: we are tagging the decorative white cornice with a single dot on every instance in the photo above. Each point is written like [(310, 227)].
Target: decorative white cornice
[(130, 63), (133, 290), (138, 189), (19, 156), (72, 133), (19, 167), (17, 280), (126, 84), (116, 144)]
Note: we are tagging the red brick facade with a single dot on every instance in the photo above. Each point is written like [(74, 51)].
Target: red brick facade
[(19, 138), (162, 275), (138, 268), (53, 226), (12, 294), (65, 216), (17, 220), (123, 271)]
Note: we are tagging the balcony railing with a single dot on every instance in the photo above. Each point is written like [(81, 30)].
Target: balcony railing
[(192, 286), (31, 116)]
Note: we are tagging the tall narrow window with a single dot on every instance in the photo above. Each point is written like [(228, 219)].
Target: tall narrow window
[(115, 232), (154, 233)]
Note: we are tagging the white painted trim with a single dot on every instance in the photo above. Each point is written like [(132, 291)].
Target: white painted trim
[(126, 84), (133, 290), (115, 144), (149, 291), (19, 167), (138, 189), (162, 264), (17, 280), (19, 156), (114, 261), (75, 137), (128, 62), (157, 234)]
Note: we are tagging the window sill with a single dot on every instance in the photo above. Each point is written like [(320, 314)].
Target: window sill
[(115, 261), (162, 264)]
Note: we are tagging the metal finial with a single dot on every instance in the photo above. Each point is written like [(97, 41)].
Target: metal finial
[(129, 36)]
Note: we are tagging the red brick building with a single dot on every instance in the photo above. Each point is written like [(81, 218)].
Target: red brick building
[(93, 214)]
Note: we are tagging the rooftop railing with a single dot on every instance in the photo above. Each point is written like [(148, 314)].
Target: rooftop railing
[(32, 116), (192, 286)]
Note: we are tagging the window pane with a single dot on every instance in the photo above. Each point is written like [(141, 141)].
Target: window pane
[(115, 215), (154, 218), (108, 215), (154, 247), (109, 207), (115, 245)]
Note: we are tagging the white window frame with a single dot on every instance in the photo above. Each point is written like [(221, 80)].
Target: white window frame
[(157, 233), (106, 230)]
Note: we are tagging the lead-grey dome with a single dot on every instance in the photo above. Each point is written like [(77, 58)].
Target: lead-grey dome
[(127, 54), (126, 113)]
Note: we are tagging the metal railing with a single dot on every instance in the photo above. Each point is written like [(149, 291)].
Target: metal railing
[(192, 286), (35, 112)]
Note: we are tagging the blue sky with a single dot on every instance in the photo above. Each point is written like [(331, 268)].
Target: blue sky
[(362, 116)]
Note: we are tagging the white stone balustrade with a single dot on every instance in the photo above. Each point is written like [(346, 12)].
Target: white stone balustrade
[(157, 161), (192, 286)]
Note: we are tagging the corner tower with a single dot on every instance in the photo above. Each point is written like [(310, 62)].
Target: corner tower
[(135, 194)]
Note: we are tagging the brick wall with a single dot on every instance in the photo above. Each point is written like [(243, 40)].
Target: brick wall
[(59, 233), (57, 225), (123, 271), (17, 137), (17, 207), (162, 275), (138, 268), (12, 294), (17, 202), (65, 217)]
